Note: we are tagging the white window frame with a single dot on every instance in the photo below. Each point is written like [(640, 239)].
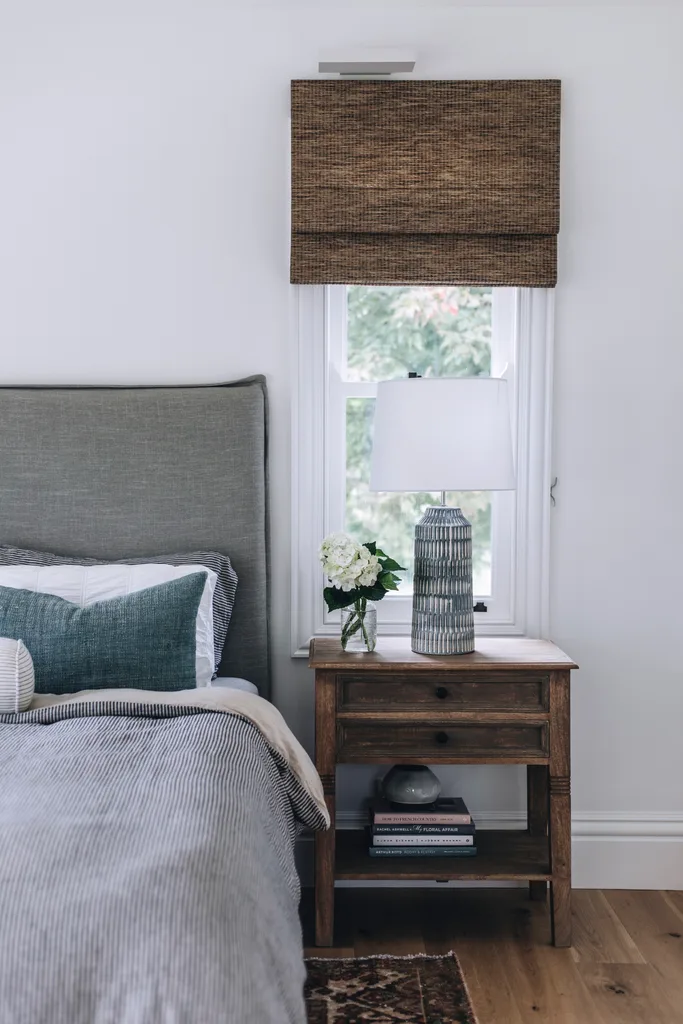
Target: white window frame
[(523, 332)]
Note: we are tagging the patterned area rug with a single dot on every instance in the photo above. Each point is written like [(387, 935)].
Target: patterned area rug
[(387, 990)]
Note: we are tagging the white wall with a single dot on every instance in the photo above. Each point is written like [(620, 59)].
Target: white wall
[(143, 238)]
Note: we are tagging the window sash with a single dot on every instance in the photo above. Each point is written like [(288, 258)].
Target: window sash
[(396, 609)]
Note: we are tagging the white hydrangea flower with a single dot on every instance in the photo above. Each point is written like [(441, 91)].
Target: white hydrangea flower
[(347, 564)]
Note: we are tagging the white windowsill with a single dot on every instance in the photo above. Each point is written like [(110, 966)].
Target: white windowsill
[(488, 629)]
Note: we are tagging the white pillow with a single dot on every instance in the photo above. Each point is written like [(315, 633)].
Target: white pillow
[(16, 677), (85, 584)]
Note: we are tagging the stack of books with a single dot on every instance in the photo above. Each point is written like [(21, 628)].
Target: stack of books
[(442, 829)]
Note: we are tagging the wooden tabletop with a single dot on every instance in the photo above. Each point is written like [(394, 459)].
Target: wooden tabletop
[(395, 653)]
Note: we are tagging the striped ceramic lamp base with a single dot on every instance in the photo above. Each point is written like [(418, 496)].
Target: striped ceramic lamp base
[(443, 617)]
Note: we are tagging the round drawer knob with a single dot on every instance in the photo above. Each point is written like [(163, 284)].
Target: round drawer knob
[(441, 692), (441, 737)]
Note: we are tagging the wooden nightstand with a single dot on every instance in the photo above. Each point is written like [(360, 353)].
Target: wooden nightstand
[(507, 703)]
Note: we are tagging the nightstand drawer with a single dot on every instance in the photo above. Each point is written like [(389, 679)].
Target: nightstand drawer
[(443, 691), (454, 741)]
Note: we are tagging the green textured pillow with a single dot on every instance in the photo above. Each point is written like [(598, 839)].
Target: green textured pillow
[(144, 641)]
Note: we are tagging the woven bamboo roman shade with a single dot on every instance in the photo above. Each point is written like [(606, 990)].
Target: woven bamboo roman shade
[(425, 182)]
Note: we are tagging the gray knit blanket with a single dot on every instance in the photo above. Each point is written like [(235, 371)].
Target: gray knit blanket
[(147, 868)]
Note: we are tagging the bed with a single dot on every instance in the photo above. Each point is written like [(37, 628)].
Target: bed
[(147, 839)]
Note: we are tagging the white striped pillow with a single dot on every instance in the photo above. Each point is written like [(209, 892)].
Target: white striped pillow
[(16, 677)]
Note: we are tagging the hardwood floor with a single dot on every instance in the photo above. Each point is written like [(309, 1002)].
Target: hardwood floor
[(625, 967)]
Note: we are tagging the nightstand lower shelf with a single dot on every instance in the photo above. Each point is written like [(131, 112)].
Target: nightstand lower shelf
[(503, 855)]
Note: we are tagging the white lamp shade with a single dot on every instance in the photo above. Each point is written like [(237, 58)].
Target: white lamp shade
[(442, 434)]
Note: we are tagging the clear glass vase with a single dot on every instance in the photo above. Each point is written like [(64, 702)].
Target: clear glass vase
[(359, 626)]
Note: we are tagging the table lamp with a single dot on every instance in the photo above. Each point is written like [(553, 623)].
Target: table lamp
[(442, 434)]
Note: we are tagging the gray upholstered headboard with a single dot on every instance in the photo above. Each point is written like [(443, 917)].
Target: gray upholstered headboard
[(111, 472)]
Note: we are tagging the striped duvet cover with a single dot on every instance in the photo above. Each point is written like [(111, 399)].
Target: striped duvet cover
[(147, 862)]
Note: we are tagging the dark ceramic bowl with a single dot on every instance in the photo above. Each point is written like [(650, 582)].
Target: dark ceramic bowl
[(411, 784)]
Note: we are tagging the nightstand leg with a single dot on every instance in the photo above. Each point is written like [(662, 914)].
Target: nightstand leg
[(324, 882), (561, 912), (537, 815), (326, 763), (560, 860), (560, 812)]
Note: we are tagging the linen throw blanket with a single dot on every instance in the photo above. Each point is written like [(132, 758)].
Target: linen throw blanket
[(147, 860)]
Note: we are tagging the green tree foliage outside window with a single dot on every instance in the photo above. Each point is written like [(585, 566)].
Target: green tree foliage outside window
[(435, 332)]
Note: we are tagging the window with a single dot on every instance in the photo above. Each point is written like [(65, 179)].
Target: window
[(351, 337)]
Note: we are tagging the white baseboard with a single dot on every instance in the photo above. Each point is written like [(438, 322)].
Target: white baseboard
[(616, 850), (625, 825), (627, 850)]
